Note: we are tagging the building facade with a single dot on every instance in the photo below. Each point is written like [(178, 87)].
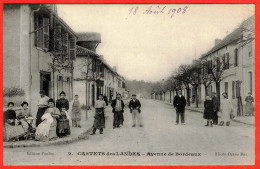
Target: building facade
[(35, 40)]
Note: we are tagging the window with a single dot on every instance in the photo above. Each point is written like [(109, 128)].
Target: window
[(237, 89), (250, 76), (233, 90), (250, 49), (72, 47), (227, 61), (218, 64), (236, 57), (209, 66), (226, 88)]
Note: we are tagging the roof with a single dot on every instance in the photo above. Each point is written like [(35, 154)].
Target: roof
[(55, 16), (89, 36), (235, 35), (81, 51)]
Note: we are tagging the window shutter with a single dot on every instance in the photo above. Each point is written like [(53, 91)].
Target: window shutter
[(46, 32), (65, 43), (57, 37), (40, 32), (36, 27), (227, 60), (72, 46)]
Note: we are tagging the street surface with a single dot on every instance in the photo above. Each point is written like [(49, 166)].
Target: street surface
[(208, 145)]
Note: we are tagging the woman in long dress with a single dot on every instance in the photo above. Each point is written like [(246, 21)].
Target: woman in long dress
[(64, 123), (12, 129), (226, 109), (76, 114), (249, 108), (47, 129), (99, 122), (208, 111)]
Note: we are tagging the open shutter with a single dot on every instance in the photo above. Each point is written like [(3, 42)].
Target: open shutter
[(65, 39), (36, 27), (39, 32), (227, 60), (57, 37), (46, 32), (72, 53)]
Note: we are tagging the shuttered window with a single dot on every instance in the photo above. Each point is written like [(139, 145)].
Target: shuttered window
[(46, 32), (235, 57), (72, 47)]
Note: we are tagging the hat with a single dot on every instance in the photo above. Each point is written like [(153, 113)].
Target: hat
[(51, 100), (62, 93)]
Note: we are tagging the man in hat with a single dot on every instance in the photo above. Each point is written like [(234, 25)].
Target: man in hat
[(62, 102), (42, 106), (134, 107), (179, 103), (118, 110), (215, 107)]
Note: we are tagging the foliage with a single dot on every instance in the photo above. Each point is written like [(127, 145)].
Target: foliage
[(13, 91)]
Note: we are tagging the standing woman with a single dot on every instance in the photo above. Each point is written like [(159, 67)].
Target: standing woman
[(249, 108), (226, 109), (42, 106), (76, 114), (99, 122), (208, 111)]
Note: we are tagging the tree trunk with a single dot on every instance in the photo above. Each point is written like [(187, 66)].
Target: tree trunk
[(218, 92), (188, 95), (206, 89), (86, 98), (196, 96)]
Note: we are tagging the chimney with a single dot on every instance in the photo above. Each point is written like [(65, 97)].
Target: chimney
[(217, 41), (115, 68)]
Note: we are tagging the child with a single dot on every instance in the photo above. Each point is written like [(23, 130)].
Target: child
[(64, 123)]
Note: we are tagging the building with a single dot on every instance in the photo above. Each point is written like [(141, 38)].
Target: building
[(237, 52), (92, 74), (37, 42)]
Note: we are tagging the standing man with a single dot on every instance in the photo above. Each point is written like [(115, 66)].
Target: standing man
[(215, 108), (42, 106), (62, 102), (179, 103), (76, 114), (134, 107), (118, 110)]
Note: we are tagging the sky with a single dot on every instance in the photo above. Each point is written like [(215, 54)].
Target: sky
[(148, 42)]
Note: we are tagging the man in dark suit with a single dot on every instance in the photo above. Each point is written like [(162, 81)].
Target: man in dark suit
[(134, 106), (179, 103), (215, 108), (118, 110)]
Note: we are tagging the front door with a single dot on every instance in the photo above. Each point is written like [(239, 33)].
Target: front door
[(45, 82)]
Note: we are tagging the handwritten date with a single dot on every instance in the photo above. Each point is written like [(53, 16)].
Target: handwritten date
[(156, 10)]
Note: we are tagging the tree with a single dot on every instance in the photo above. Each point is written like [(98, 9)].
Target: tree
[(216, 66), (195, 80), (206, 78), (183, 74)]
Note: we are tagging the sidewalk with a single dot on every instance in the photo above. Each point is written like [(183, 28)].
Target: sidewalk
[(76, 134), (249, 120)]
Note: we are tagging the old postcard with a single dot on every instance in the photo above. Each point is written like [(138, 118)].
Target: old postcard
[(129, 84)]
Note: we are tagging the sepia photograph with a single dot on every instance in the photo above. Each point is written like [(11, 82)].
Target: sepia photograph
[(128, 84)]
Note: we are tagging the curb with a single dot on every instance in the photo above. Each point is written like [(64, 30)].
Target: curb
[(83, 136), (198, 111)]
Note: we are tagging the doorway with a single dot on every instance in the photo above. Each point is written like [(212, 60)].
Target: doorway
[(45, 82)]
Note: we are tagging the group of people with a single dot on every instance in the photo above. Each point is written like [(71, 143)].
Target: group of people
[(118, 111), (213, 113), (52, 121)]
